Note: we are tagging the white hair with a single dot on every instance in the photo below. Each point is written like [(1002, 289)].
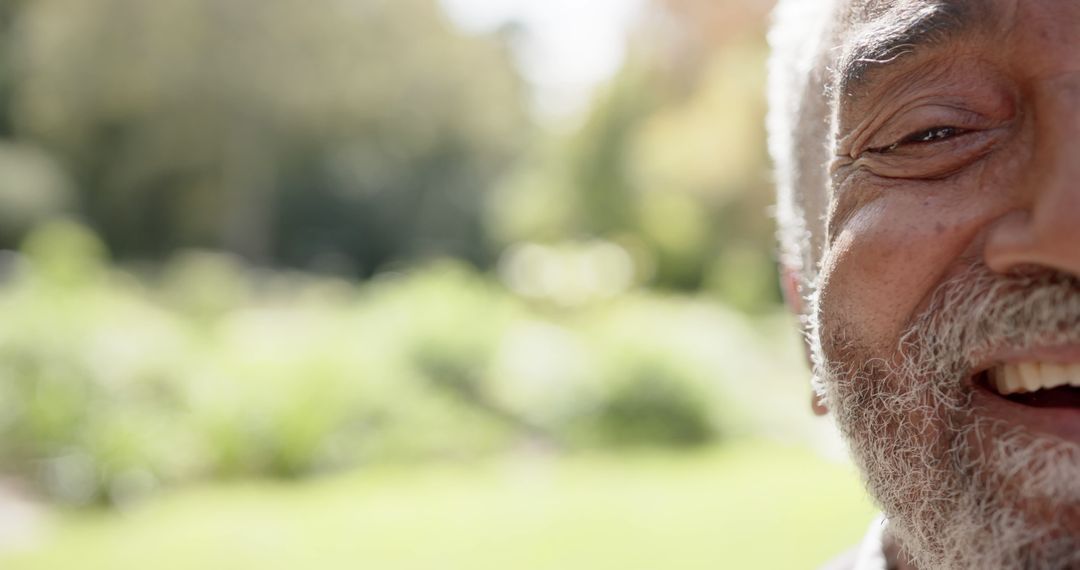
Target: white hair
[(799, 128), (961, 491)]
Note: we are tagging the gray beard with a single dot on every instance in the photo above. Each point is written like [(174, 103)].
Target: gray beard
[(961, 491)]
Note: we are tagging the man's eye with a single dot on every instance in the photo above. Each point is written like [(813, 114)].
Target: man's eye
[(932, 135), (936, 134)]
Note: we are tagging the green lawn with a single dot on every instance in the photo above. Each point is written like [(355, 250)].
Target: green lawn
[(743, 506)]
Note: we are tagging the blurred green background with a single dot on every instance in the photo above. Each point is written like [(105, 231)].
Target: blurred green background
[(401, 285)]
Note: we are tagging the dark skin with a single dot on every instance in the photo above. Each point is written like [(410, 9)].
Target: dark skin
[(964, 149)]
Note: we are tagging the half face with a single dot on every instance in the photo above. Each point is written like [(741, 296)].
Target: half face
[(948, 305)]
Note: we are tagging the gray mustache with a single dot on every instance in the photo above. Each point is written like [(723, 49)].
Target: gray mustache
[(979, 312)]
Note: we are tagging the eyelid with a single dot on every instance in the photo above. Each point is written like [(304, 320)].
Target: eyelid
[(912, 138), (912, 122), (933, 161)]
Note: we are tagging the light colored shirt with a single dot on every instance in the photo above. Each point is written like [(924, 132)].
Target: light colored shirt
[(869, 555)]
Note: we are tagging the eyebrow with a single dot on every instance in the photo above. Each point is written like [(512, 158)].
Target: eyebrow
[(901, 31)]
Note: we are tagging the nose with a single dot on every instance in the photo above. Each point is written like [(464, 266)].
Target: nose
[(1044, 228)]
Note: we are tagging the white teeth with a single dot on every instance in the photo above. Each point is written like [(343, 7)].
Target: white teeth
[(1030, 376), (1033, 376), (1054, 374), (1008, 379)]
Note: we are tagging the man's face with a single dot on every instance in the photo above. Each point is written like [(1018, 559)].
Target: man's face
[(948, 306)]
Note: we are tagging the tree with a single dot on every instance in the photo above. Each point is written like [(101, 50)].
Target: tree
[(671, 161), (351, 134)]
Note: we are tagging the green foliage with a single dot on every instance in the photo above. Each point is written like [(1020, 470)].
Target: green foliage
[(671, 168), (367, 137), (66, 254), (341, 138), (33, 189), (654, 405), (112, 385)]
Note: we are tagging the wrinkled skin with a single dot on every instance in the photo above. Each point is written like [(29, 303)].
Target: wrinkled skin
[(955, 196)]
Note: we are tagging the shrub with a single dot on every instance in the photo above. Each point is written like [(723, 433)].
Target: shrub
[(112, 386), (655, 404)]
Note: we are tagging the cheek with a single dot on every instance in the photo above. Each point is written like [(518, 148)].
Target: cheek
[(887, 260)]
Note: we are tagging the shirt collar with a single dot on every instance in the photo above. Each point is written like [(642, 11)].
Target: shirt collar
[(871, 553)]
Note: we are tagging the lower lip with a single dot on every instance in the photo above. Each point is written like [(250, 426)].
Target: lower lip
[(1062, 422)]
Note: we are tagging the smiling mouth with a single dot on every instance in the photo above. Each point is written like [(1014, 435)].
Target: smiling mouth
[(1035, 384)]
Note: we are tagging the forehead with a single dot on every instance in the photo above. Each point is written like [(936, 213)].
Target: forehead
[(858, 12), (868, 9), (874, 33)]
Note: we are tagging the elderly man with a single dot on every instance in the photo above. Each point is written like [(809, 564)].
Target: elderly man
[(929, 177)]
